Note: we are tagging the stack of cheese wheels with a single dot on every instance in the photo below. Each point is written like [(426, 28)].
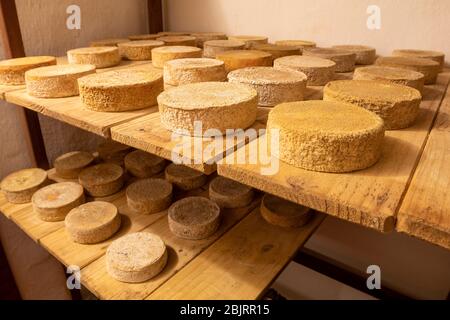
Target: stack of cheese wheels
[(191, 70), (273, 85), (178, 40), (183, 177), (298, 43), (278, 51), (194, 218), (426, 54), (202, 37), (364, 54), (136, 257), (173, 33), (194, 108), (56, 81), (427, 67), (12, 71), (396, 104), (19, 186), (325, 135), (212, 48), (53, 202), (405, 77), (163, 54), (237, 59), (121, 90), (148, 36), (319, 71), (69, 165), (100, 57), (108, 42), (283, 213), (102, 179), (139, 50), (92, 222), (143, 164), (151, 195), (345, 60), (249, 40), (230, 194), (113, 152)]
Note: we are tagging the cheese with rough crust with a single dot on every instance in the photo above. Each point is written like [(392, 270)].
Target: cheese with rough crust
[(139, 49), (284, 213), (212, 48), (299, 43), (148, 36), (274, 86), (113, 152), (237, 59), (142, 164), (249, 40), (326, 136), (173, 33), (19, 186), (70, 164), (12, 71), (183, 177), (102, 179), (191, 70), (426, 54), (178, 40), (163, 54), (217, 105), (202, 37), (364, 54), (396, 104), (427, 67), (345, 60), (230, 194), (148, 196), (100, 57), (108, 42), (278, 51)]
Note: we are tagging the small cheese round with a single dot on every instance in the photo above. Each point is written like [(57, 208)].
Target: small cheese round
[(202, 37), (212, 48), (136, 257), (283, 213), (108, 42), (396, 104), (427, 67), (139, 50), (237, 59), (144, 37), (299, 43), (100, 57), (278, 51), (69, 165), (142, 164), (426, 54), (149, 196), (53, 202), (178, 40), (194, 218), (191, 70), (364, 54), (318, 71), (163, 54), (273, 85), (249, 40), (121, 90), (345, 60), (12, 71), (229, 193), (102, 179), (214, 105), (183, 177), (173, 33), (92, 222), (113, 152), (56, 81), (19, 186), (325, 136)]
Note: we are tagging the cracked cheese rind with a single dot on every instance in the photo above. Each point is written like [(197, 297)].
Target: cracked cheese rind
[(100, 57), (12, 71), (191, 70), (345, 60), (163, 54), (19, 186), (427, 67)]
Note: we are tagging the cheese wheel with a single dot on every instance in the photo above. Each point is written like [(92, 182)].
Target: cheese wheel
[(53, 202), (92, 222), (230, 194), (100, 57), (12, 71), (249, 40), (173, 33), (427, 67), (194, 108), (136, 257), (212, 48), (121, 90), (56, 81), (318, 71), (345, 60), (364, 54), (143, 164), (299, 43), (149, 196), (283, 213), (325, 135), (113, 152), (426, 54), (405, 77), (102, 179), (69, 165), (273, 85), (178, 40), (237, 59), (202, 37), (19, 186), (163, 54), (396, 104), (136, 37), (194, 218), (183, 177), (278, 51), (139, 50), (108, 42), (192, 70)]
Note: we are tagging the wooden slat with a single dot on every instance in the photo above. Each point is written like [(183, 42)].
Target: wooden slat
[(9, 208)]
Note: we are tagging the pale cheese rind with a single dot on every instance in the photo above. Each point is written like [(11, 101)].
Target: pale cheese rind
[(19, 186), (278, 51), (427, 67), (139, 49), (345, 60), (191, 70), (249, 40), (202, 37), (178, 40), (426, 54), (163, 54), (299, 43), (12, 71), (365, 55), (100, 57), (212, 48)]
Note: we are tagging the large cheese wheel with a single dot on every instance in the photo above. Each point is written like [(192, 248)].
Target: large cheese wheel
[(121, 90), (214, 105), (325, 135), (212, 48), (299, 43), (183, 177), (139, 50), (100, 57), (249, 40), (136, 257), (102, 179), (194, 218), (427, 67), (192, 70), (92, 222), (237, 59), (108, 42), (147, 36), (426, 54), (318, 71), (273, 85), (345, 60), (164, 54), (396, 104), (56, 81), (178, 40), (147, 196), (53, 202), (201, 37), (143, 164), (364, 54), (278, 51), (283, 213), (70, 164), (19, 186), (12, 71), (113, 152), (230, 194)]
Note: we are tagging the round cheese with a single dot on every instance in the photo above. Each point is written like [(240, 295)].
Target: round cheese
[(102, 179), (278, 51), (143, 164), (202, 37), (173, 33), (19, 186), (364, 55), (113, 152), (139, 50), (212, 48), (163, 54), (345, 60), (427, 67), (12, 71), (178, 40), (230, 194), (191, 70), (69, 165), (426, 54), (100, 57), (149, 196), (299, 43), (144, 37), (237, 59), (283, 213), (249, 40), (108, 42), (183, 177)]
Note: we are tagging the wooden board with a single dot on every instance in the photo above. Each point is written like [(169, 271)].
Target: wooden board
[(9, 208)]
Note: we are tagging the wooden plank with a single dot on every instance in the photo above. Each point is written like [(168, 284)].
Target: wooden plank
[(10, 208), (240, 265), (369, 197)]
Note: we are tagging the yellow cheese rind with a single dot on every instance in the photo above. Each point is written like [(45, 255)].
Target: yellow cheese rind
[(12, 71), (249, 40), (191, 70), (212, 48), (365, 55), (100, 57), (178, 40), (426, 54), (237, 59), (299, 43), (163, 54), (108, 42), (345, 60), (139, 49), (427, 67), (148, 36), (19, 186), (202, 37), (278, 51)]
